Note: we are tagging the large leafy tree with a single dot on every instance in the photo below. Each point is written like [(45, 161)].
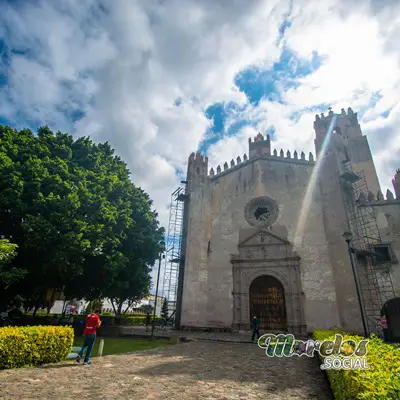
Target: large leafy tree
[(76, 217), (8, 274), (141, 246)]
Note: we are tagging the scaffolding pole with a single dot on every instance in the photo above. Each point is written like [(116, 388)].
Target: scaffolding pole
[(374, 277), (173, 246)]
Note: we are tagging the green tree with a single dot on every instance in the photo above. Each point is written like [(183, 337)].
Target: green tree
[(94, 305), (8, 273), (80, 224), (164, 309), (140, 248)]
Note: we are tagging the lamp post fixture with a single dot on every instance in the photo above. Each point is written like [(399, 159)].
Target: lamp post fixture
[(155, 301), (162, 256), (348, 238)]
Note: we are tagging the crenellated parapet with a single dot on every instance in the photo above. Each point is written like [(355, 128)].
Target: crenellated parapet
[(323, 120), (197, 168), (396, 184), (371, 199), (345, 124), (259, 146), (282, 156)]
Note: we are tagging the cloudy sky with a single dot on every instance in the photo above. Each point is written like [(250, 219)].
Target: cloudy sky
[(159, 79)]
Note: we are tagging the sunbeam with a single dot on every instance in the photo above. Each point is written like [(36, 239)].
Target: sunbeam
[(305, 208)]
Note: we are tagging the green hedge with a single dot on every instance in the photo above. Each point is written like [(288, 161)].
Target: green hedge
[(107, 320), (34, 345), (139, 321), (380, 382)]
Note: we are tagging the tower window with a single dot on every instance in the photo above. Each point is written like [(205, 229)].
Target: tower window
[(337, 130), (382, 254)]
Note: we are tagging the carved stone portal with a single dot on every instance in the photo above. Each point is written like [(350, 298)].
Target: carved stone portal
[(267, 253)]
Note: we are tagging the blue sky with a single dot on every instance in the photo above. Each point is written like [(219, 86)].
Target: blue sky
[(259, 84)]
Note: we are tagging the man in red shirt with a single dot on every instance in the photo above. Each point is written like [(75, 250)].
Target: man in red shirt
[(92, 323)]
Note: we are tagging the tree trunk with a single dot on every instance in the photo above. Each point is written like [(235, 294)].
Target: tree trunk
[(63, 311), (119, 311), (118, 315), (34, 312), (36, 306), (113, 306), (129, 305), (51, 303)]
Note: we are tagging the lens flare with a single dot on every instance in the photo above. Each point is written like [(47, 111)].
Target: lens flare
[(305, 207)]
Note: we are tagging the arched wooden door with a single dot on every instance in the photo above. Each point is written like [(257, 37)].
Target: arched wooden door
[(267, 302)]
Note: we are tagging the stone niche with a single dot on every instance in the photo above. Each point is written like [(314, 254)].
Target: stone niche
[(265, 251)]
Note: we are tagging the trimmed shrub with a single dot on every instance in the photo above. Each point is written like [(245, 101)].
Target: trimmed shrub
[(140, 320), (34, 345), (380, 382)]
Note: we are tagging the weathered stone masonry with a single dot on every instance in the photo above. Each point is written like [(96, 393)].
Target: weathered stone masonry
[(227, 247)]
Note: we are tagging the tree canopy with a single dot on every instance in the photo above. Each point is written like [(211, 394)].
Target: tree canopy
[(81, 226)]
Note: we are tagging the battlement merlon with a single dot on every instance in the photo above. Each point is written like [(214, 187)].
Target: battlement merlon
[(259, 146), (346, 124), (396, 184), (379, 200), (197, 167), (295, 158), (197, 158)]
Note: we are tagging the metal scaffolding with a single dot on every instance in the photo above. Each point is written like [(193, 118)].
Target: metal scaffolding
[(173, 246), (373, 271)]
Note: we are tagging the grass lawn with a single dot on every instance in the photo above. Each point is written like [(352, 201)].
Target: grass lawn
[(122, 345)]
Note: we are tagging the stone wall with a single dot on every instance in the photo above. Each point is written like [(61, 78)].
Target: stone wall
[(388, 218), (340, 146), (216, 215)]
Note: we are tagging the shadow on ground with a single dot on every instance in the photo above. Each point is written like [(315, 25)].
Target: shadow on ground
[(244, 363), (193, 370)]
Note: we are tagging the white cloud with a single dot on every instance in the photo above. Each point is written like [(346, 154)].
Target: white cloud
[(361, 57), (124, 63), (230, 147)]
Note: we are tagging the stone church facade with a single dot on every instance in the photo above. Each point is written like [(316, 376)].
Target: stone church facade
[(264, 234)]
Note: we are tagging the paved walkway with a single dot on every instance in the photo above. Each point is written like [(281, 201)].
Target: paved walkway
[(193, 370), (242, 337)]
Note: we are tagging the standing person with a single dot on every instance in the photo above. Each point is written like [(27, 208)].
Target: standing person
[(148, 320), (385, 328), (71, 315), (92, 323), (256, 328)]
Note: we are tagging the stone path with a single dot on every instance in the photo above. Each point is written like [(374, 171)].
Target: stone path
[(242, 337), (193, 370)]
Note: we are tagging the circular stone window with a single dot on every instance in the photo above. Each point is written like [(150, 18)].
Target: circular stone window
[(261, 211)]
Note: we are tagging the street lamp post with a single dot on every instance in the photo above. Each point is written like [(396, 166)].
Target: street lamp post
[(155, 301), (348, 237)]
